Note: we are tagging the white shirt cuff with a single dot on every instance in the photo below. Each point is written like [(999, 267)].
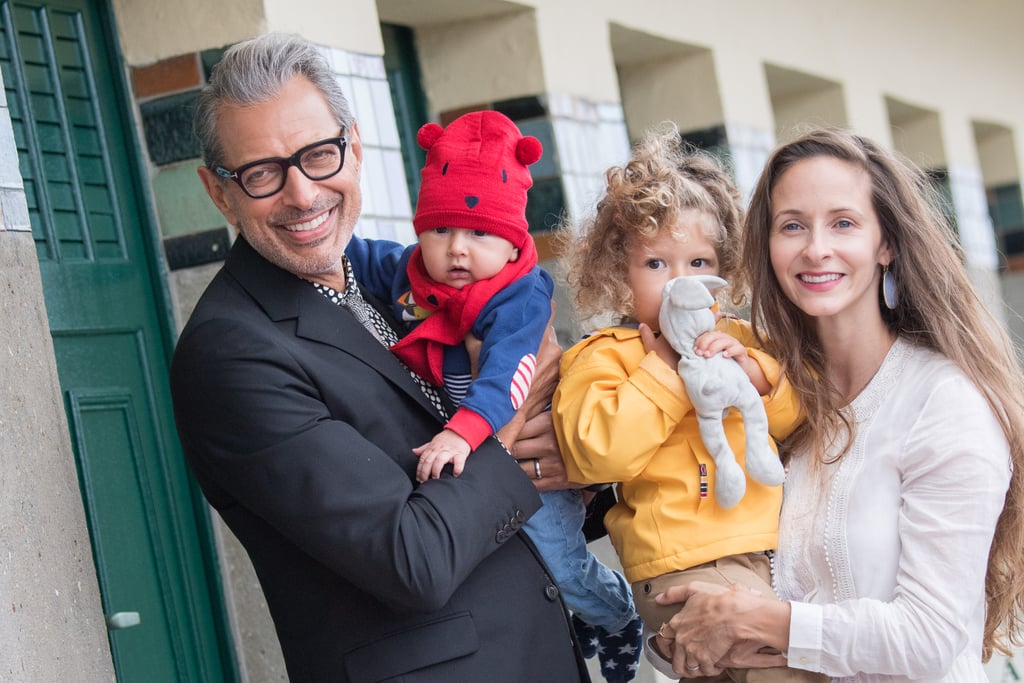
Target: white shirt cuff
[(805, 629), (661, 665)]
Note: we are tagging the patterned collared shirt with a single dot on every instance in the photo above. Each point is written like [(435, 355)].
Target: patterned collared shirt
[(370, 318)]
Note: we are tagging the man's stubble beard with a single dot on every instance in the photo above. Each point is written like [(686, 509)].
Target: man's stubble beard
[(292, 261)]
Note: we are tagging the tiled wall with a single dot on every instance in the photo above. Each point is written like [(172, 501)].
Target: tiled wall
[(590, 138), (13, 206), (749, 148), (193, 230), (967, 188), (387, 212)]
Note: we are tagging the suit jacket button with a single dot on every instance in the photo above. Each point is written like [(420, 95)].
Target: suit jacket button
[(551, 592), (520, 517), (501, 536)]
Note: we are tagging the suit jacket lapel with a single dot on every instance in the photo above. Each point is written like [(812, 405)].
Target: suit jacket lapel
[(284, 296)]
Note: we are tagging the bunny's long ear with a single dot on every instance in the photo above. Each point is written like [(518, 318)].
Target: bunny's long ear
[(688, 293), (712, 282)]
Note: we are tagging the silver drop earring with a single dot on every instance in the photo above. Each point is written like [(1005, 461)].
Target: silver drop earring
[(889, 288)]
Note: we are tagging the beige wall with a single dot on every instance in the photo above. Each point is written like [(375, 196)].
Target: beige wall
[(464, 63), (936, 64), (647, 101), (1000, 163), (151, 30), (931, 53)]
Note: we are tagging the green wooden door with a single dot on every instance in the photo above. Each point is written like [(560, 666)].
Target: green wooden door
[(402, 67), (149, 530)]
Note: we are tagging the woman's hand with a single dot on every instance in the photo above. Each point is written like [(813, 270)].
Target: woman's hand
[(720, 627)]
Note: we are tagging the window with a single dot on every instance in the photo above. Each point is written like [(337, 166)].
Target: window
[(1007, 212)]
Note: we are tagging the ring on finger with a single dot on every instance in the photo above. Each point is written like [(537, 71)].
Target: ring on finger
[(536, 469), (662, 634), (692, 668)]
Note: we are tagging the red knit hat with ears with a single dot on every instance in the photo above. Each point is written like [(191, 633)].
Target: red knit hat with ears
[(476, 176)]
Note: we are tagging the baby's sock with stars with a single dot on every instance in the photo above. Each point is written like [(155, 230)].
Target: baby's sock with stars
[(618, 652)]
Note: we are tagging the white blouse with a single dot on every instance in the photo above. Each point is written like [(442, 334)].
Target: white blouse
[(883, 554)]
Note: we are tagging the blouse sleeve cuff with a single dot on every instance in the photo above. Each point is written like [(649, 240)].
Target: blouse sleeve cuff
[(660, 664), (805, 629)]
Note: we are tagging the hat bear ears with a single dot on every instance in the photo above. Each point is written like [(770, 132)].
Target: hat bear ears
[(476, 176), (528, 149)]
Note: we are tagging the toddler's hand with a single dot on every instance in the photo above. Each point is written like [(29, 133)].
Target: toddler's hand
[(446, 447), (710, 343), (659, 345)]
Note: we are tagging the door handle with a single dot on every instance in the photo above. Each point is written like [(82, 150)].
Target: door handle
[(120, 620)]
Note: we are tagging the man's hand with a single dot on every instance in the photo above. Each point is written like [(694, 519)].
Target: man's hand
[(536, 451)]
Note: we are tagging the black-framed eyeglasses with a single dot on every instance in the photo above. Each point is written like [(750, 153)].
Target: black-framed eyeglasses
[(265, 177)]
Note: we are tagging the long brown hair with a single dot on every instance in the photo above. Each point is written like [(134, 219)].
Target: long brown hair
[(937, 308)]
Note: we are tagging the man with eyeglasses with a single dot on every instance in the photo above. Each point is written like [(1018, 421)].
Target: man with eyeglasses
[(299, 423)]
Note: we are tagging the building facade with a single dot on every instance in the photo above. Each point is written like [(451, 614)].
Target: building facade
[(113, 566)]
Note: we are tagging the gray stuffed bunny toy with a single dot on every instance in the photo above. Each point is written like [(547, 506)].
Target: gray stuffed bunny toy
[(714, 385)]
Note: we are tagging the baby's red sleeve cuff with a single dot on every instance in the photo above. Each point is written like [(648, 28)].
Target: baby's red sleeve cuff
[(470, 426)]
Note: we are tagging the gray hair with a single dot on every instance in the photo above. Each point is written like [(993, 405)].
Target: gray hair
[(254, 71)]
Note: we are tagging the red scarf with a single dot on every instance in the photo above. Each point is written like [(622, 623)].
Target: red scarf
[(453, 311)]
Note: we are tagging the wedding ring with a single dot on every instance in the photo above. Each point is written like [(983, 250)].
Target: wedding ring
[(536, 469), (692, 668)]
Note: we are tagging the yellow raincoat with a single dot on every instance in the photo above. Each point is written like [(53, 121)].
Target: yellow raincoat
[(622, 415)]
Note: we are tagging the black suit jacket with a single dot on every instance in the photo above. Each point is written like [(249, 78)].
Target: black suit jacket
[(299, 427)]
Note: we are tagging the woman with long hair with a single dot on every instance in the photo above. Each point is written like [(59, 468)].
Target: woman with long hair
[(901, 537)]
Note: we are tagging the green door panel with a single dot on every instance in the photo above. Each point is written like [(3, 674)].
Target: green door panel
[(148, 526), (403, 71), (105, 425)]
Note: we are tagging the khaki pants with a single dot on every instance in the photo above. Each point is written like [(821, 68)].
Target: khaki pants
[(752, 570)]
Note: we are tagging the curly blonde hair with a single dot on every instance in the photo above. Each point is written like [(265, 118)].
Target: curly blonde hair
[(937, 308), (663, 178)]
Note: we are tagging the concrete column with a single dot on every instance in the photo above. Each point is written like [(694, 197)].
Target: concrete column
[(575, 52), (866, 112), (749, 120), (52, 626)]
